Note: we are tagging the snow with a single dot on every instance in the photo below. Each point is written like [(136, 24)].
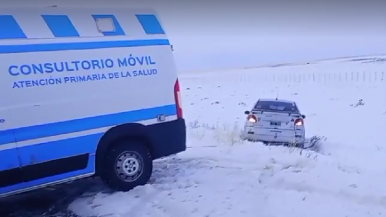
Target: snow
[(219, 175)]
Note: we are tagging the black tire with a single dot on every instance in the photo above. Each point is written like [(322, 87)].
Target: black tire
[(117, 177)]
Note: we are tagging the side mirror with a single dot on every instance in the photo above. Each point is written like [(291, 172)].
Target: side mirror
[(247, 112), (303, 116)]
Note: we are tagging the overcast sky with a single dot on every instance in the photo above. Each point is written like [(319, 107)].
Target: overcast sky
[(249, 33), (244, 33)]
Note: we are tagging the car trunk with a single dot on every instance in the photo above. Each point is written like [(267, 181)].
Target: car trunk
[(277, 123)]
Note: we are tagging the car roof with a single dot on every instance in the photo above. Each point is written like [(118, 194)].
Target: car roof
[(276, 100)]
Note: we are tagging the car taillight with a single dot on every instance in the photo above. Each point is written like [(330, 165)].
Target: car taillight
[(177, 98), (299, 122), (252, 118)]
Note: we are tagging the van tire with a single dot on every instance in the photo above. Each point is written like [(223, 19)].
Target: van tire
[(127, 165)]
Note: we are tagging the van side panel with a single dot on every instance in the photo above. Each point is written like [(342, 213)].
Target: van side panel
[(67, 90), (10, 172)]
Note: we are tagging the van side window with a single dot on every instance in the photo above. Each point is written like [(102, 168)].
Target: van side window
[(108, 25), (105, 25)]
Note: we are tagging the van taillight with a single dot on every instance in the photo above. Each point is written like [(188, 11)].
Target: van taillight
[(177, 97)]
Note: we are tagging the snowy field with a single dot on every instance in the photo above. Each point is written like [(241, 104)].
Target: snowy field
[(221, 176)]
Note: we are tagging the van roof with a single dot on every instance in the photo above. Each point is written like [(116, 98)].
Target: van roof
[(72, 23)]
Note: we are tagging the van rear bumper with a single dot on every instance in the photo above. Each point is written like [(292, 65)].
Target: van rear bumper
[(167, 138)]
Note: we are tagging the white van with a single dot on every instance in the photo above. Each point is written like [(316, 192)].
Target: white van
[(85, 92)]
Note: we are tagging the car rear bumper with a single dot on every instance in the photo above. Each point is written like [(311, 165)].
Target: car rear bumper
[(290, 137)]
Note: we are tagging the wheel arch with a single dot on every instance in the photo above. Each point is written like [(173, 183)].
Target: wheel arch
[(130, 131)]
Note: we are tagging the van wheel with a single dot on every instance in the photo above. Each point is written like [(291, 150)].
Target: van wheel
[(127, 165)]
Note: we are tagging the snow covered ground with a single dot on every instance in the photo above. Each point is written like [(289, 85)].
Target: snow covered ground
[(221, 176)]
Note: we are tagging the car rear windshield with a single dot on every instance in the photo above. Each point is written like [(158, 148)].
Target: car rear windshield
[(276, 106)]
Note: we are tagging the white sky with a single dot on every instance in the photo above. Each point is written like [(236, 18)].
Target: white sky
[(223, 34)]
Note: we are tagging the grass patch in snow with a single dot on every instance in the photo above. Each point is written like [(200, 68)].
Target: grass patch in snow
[(222, 133)]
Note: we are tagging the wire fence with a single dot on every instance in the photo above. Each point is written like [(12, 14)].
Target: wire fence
[(319, 77), (337, 79)]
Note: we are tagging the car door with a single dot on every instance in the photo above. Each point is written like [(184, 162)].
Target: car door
[(10, 172)]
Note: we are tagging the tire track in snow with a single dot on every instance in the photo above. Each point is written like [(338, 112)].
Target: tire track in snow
[(141, 201), (270, 180), (240, 169), (360, 199), (157, 201)]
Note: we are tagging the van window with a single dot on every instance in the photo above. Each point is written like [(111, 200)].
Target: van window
[(108, 25), (105, 25)]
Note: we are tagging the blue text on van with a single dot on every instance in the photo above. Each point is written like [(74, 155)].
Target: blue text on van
[(79, 65)]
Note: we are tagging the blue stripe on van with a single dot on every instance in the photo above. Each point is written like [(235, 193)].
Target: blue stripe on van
[(117, 27), (59, 149), (26, 48), (60, 25), (82, 124), (9, 159), (150, 24), (9, 28)]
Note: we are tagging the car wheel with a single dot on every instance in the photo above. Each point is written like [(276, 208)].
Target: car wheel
[(127, 165)]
